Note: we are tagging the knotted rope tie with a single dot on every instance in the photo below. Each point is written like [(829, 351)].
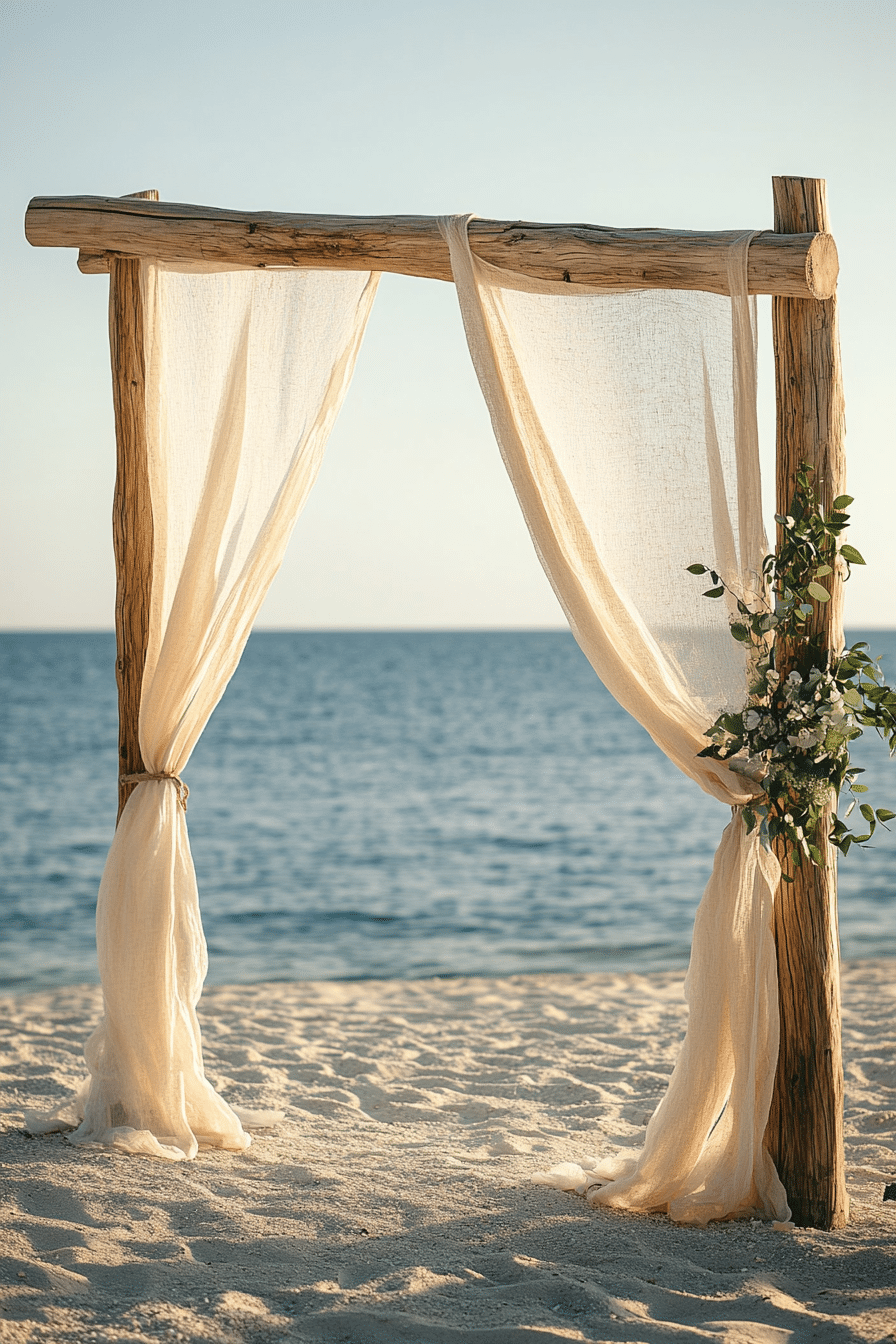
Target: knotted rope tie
[(183, 791)]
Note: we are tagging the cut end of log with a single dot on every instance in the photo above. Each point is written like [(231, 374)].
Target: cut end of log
[(94, 263), (822, 266)]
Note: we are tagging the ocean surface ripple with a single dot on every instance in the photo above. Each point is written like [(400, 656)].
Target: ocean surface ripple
[(368, 804)]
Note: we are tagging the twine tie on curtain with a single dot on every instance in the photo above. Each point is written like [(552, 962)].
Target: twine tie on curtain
[(183, 791)]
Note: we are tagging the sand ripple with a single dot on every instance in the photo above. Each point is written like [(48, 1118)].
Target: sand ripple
[(393, 1203)]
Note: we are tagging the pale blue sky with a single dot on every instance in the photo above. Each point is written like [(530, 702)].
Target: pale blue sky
[(652, 114)]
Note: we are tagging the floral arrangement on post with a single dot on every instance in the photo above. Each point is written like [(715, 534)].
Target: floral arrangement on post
[(792, 737)]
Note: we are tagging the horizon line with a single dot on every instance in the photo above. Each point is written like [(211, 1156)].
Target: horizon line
[(309, 629), (359, 629)]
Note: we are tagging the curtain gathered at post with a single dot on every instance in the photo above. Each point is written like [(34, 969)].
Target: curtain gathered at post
[(245, 374), (627, 423)]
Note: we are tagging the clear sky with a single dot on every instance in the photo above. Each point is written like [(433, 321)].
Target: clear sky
[(647, 114)]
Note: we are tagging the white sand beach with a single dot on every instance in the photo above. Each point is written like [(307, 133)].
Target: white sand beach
[(395, 1202)]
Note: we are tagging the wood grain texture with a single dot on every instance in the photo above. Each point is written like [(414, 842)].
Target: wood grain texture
[(803, 264), (132, 529), (805, 1129)]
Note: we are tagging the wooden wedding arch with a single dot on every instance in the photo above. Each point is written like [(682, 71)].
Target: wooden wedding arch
[(796, 263)]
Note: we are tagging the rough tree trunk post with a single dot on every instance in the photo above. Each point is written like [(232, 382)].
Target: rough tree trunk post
[(805, 1129), (131, 510)]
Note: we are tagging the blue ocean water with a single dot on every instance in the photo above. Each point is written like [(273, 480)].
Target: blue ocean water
[(384, 804)]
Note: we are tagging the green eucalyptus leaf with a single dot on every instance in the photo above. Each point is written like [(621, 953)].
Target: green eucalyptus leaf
[(798, 781), (696, 569)]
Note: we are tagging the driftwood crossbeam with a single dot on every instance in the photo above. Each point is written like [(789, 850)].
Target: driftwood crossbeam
[(800, 265), (796, 262)]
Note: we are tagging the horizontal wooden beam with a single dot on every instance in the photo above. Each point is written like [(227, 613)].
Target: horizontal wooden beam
[(798, 265)]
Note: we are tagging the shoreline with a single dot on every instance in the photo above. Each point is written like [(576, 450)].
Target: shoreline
[(395, 1200), (848, 965)]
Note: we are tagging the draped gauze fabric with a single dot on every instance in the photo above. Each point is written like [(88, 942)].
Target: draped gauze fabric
[(245, 374), (627, 423)]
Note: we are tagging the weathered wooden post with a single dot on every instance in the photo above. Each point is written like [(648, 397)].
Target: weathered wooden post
[(132, 536), (805, 1129)]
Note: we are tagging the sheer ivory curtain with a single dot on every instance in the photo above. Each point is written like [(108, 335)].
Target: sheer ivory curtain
[(245, 374), (627, 423)]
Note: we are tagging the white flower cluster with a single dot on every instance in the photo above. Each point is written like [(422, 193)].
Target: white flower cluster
[(790, 728)]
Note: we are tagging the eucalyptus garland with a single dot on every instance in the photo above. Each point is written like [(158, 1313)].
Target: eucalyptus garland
[(792, 736)]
